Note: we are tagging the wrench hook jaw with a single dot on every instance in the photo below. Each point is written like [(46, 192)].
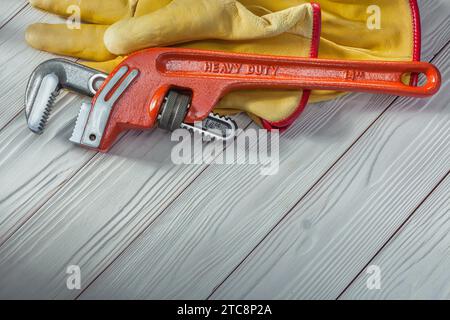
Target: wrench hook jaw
[(42, 90), (46, 82)]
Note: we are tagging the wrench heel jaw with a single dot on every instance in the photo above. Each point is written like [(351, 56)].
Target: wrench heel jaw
[(123, 119), (133, 111), (126, 100)]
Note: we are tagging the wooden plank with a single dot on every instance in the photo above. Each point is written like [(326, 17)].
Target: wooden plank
[(9, 9), (416, 263), (344, 221)]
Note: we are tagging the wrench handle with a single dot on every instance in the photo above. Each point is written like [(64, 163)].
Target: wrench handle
[(238, 71), (209, 75)]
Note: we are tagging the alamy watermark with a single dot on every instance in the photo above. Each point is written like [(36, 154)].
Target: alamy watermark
[(73, 280), (250, 147), (374, 280), (374, 19), (73, 22)]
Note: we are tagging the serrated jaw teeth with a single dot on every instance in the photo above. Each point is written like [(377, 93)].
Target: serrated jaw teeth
[(80, 124), (43, 104), (214, 127)]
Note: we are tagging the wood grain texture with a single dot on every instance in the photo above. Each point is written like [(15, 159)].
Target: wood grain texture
[(345, 220), (32, 169), (94, 216), (23, 195), (216, 222), (151, 181), (47, 162), (406, 268), (187, 251), (91, 219), (9, 9), (434, 14)]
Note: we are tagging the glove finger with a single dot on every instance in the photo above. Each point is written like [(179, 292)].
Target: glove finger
[(94, 11), (184, 20), (105, 66), (147, 6), (85, 43)]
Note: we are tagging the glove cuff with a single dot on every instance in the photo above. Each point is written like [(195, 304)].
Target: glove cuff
[(414, 54), (417, 37), (313, 53)]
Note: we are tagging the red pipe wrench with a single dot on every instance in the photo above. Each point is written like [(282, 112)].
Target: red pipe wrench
[(173, 87)]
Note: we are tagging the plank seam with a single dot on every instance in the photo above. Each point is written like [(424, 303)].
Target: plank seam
[(45, 202), (395, 234), (14, 15), (120, 254), (314, 185), (78, 170), (407, 220), (286, 215)]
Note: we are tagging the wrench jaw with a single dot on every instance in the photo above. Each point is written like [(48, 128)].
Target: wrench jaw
[(174, 113), (214, 128), (140, 95), (121, 103), (39, 102), (91, 131), (91, 128), (46, 82), (80, 124)]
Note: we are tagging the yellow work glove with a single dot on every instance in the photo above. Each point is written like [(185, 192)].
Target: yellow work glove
[(291, 27)]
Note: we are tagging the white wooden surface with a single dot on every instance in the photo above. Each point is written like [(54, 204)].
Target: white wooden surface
[(406, 269), (141, 227), (348, 205), (356, 207), (9, 9)]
